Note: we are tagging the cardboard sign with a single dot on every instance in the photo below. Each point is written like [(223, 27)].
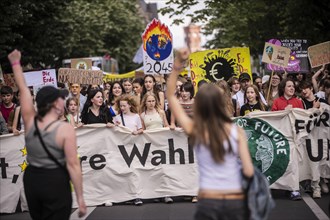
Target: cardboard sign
[(82, 64), (157, 48), (276, 55), (319, 54), (92, 77), (10, 81)]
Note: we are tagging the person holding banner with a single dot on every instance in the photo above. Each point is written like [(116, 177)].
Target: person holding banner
[(218, 144), (287, 99), (95, 111), (72, 112), (116, 91), (52, 157), (310, 100), (254, 102), (128, 114), (151, 114)]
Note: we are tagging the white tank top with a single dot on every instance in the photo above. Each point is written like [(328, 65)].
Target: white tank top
[(220, 176), (153, 121)]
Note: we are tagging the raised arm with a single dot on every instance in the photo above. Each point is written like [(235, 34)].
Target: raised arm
[(314, 79), (27, 109), (176, 108)]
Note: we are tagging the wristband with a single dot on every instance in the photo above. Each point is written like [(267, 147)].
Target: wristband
[(15, 63)]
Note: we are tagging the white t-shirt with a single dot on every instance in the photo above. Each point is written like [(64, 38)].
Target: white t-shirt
[(133, 122), (239, 96), (320, 94)]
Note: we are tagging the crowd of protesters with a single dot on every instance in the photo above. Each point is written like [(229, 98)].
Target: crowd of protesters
[(140, 104)]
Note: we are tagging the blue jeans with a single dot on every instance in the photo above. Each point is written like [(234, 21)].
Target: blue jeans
[(216, 209)]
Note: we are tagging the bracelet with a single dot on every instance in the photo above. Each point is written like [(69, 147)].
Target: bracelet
[(15, 63)]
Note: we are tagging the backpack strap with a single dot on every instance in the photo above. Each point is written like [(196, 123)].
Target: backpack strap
[(122, 118), (44, 145)]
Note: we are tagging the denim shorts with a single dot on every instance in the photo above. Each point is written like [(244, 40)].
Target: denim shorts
[(224, 209)]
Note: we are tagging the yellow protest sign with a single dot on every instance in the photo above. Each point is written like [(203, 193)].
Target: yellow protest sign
[(213, 65), (115, 77)]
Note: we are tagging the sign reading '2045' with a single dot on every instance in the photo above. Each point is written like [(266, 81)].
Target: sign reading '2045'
[(157, 48)]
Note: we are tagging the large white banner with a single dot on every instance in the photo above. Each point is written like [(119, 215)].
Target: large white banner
[(118, 166), (288, 146)]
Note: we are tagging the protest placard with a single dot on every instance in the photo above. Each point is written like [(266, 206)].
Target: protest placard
[(298, 61), (43, 77), (157, 48), (319, 54), (81, 63), (276, 55), (10, 81), (67, 75), (219, 64)]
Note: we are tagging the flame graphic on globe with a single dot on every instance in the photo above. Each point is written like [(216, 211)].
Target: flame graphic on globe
[(157, 40)]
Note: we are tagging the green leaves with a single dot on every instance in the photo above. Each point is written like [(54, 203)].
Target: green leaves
[(49, 31), (251, 23)]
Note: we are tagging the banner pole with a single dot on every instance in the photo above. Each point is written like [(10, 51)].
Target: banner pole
[(270, 84)]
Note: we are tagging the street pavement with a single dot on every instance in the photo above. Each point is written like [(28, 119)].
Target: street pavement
[(183, 209)]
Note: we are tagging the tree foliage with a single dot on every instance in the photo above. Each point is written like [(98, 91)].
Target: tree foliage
[(251, 23), (49, 31)]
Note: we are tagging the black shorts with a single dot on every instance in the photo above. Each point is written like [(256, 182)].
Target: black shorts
[(48, 193)]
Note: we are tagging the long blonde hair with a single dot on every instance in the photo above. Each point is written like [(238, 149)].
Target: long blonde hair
[(210, 118), (143, 106)]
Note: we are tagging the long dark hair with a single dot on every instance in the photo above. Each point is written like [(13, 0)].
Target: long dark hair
[(155, 89), (103, 115), (210, 116), (111, 100)]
